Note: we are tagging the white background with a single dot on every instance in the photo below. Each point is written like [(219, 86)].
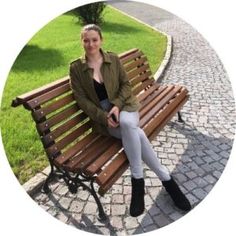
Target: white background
[(20, 20)]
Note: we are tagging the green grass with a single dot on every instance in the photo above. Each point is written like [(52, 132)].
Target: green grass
[(45, 58)]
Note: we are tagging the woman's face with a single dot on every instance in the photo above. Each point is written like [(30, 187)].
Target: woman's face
[(91, 42)]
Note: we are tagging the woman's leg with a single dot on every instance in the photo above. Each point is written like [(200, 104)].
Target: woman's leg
[(128, 133), (138, 147), (150, 158)]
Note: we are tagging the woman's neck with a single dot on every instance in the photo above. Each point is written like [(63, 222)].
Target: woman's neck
[(94, 58)]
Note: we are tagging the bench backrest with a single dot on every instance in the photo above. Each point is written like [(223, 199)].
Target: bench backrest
[(63, 127)]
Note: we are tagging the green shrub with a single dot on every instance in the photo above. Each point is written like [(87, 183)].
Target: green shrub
[(90, 13)]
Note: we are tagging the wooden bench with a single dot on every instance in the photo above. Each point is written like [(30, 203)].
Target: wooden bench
[(74, 151)]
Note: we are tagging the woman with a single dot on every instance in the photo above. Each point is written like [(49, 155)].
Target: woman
[(102, 90)]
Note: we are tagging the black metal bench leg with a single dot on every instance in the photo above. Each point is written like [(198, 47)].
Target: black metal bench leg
[(45, 188), (180, 117), (102, 215)]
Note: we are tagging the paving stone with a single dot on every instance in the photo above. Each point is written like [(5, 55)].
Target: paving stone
[(76, 206), (90, 208), (191, 174), (190, 185), (210, 179), (199, 193), (131, 223), (180, 177), (117, 222), (175, 215), (161, 220), (117, 209), (118, 198), (145, 220), (62, 217), (64, 202)]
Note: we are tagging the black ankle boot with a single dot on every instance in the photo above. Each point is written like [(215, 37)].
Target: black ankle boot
[(137, 198), (176, 194)]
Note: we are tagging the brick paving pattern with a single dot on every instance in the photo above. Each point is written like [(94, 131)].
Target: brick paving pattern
[(195, 152)]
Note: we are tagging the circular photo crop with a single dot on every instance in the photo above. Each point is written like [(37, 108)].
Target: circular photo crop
[(118, 117)]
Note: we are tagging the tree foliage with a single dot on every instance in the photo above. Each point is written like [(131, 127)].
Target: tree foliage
[(90, 13)]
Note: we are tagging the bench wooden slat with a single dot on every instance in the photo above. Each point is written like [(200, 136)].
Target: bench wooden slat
[(75, 149), (150, 97), (89, 155), (22, 99), (37, 101), (143, 86), (134, 64), (125, 54), (112, 168), (164, 121), (63, 115), (142, 96), (104, 158), (160, 105), (58, 146), (141, 78), (44, 111), (53, 135), (106, 186), (165, 112), (161, 95), (128, 58), (138, 71)]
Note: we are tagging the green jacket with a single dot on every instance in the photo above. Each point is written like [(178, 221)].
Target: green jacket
[(116, 83)]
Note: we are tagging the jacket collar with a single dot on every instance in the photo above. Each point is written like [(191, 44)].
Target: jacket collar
[(105, 55)]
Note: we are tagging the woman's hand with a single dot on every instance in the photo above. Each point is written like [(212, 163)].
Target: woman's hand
[(115, 113)]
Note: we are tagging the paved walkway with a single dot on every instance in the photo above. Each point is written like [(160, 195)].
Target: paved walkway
[(196, 153)]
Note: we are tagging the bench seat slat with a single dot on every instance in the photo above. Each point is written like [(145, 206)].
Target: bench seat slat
[(160, 105), (163, 122), (142, 86), (150, 97), (142, 96), (88, 155), (104, 158), (69, 138), (162, 95), (75, 149), (105, 187), (165, 112), (111, 169)]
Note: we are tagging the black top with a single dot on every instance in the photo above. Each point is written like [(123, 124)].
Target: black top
[(100, 90)]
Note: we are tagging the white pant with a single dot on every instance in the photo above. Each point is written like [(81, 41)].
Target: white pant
[(136, 145)]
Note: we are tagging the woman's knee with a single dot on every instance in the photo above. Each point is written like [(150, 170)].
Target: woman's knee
[(128, 120)]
